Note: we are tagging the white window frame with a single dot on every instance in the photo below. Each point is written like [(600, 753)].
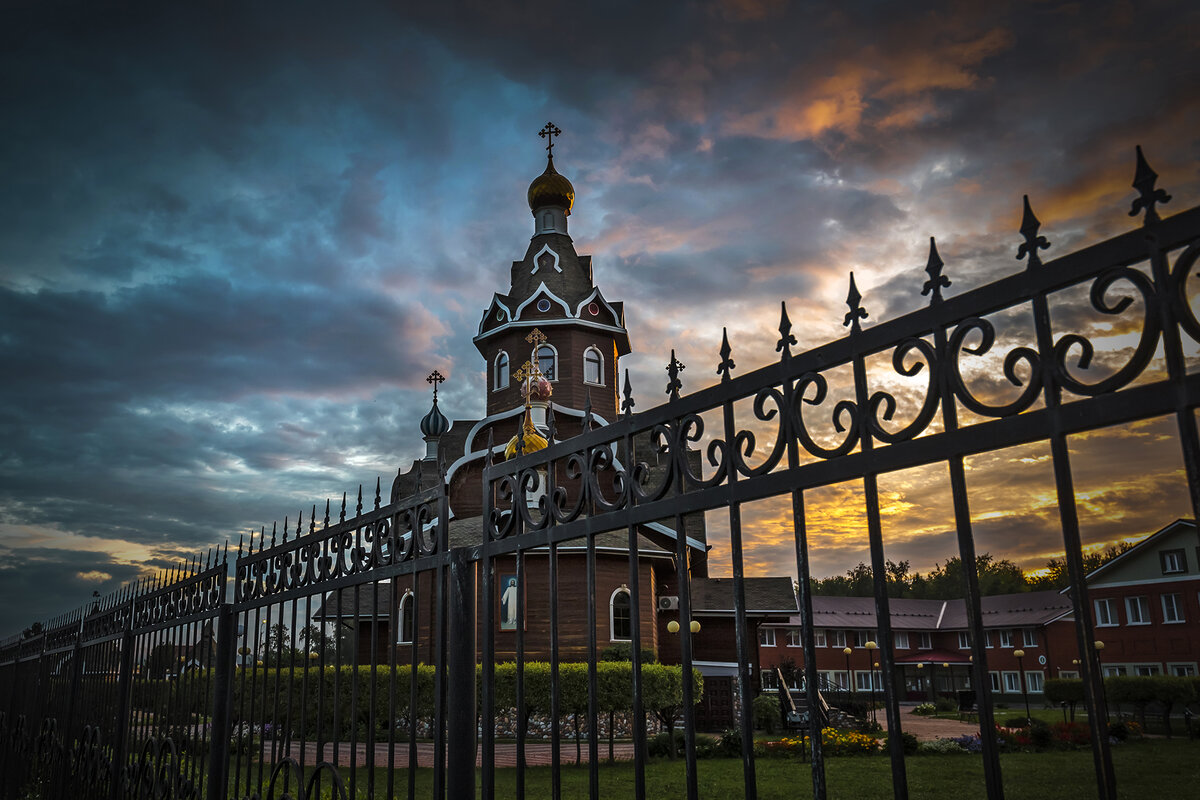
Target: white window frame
[(1174, 562), (1182, 669), (768, 681), (862, 637), (964, 640), (1175, 609), (1029, 637), (599, 366), (839, 639), (1005, 637), (1035, 681), (819, 637), (924, 640), (1142, 605), (498, 382), (1012, 681), (766, 637), (795, 637), (537, 356), (864, 678), (1073, 674), (406, 601), (987, 640), (612, 616), (1108, 617), (997, 684), (1146, 670), (901, 639), (1113, 670)]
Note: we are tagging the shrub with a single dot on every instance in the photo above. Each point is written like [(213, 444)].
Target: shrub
[(1065, 690), (766, 713), (925, 709), (908, 742), (1071, 734), (1040, 735), (731, 742), (941, 747), (708, 747), (623, 651), (944, 704), (659, 745), (1117, 731)]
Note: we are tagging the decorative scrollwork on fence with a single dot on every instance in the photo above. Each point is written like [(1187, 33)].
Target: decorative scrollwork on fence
[(158, 773), (1030, 387)]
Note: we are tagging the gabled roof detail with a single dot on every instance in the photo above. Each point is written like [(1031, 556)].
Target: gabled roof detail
[(546, 248), (495, 305), (1139, 548), (540, 292), (598, 297)]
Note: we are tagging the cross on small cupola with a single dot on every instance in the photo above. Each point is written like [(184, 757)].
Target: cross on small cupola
[(548, 132), (435, 378)]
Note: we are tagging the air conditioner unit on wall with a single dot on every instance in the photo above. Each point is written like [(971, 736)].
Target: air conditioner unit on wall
[(668, 602)]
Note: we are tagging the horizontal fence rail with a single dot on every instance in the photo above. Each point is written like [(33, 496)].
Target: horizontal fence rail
[(395, 651)]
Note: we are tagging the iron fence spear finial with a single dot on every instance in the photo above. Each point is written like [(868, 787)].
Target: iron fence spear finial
[(342, 515), (674, 367), (937, 280), (627, 404), (312, 520), (326, 523), (586, 423), (377, 497), (726, 351), (786, 339), (1143, 180), (1029, 229), (856, 312), (358, 508)]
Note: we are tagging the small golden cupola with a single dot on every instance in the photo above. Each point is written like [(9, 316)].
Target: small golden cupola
[(551, 195)]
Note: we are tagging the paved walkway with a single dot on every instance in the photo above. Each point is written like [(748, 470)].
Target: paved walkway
[(929, 728), (536, 753)]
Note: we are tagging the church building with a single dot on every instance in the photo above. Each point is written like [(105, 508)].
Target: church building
[(554, 338)]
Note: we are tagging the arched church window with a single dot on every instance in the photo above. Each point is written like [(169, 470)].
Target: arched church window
[(500, 377), (547, 361), (593, 367), (620, 619), (408, 618)]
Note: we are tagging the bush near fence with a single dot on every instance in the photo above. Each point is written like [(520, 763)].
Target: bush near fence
[(303, 692), (1165, 693)]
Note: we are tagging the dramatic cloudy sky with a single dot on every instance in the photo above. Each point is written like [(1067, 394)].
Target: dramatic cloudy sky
[(233, 241)]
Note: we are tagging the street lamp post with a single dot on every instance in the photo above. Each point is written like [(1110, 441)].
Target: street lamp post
[(1020, 654), (849, 677), (1099, 645), (871, 648)]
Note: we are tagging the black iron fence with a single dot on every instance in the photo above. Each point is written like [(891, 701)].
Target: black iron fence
[(358, 656)]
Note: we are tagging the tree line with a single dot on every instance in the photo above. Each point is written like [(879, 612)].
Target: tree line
[(946, 582)]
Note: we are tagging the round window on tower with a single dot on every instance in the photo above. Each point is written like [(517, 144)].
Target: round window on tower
[(499, 315), (593, 309), (543, 305)]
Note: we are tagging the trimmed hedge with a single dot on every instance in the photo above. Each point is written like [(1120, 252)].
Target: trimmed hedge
[(1140, 691)]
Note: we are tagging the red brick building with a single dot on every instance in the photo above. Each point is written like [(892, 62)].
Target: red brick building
[(1146, 609)]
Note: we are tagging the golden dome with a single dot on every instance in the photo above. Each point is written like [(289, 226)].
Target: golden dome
[(532, 440), (551, 189)]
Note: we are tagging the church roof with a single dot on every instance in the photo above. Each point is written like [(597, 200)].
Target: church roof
[(763, 595)]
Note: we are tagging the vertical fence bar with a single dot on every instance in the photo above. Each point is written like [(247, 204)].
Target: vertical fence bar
[(222, 722), (121, 718), (460, 678)]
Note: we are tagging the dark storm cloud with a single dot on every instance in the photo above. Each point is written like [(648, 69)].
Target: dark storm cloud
[(232, 243)]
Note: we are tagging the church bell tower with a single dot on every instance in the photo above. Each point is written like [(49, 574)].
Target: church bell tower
[(553, 316)]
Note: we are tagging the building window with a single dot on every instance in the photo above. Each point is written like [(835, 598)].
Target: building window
[(1113, 670), (1012, 681), (1005, 638), (1106, 612), (901, 639), (864, 679), (1172, 608), (1030, 637), (1181, 670), (1172, 561), (995, 676), (819, 637), (987, 640), (862, 637), (593, 367), (619, 617), (547, 362), (1073, 674), (839, 639), (1033, 681), (794, 638), (1145, 670), (768, 680), (1137, 609), (924, 641), (766, 637), (408, 618), (835, 681), (964, 640), (500, 374)]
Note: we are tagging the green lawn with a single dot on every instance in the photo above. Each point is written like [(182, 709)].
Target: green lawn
[(1144, 769)]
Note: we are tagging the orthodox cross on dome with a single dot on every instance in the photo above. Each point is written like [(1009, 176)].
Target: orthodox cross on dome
[(536, 338), (435, 378), (527, 372), (548, 133)]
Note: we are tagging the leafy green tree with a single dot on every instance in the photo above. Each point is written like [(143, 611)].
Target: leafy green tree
[(1056, 576)]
